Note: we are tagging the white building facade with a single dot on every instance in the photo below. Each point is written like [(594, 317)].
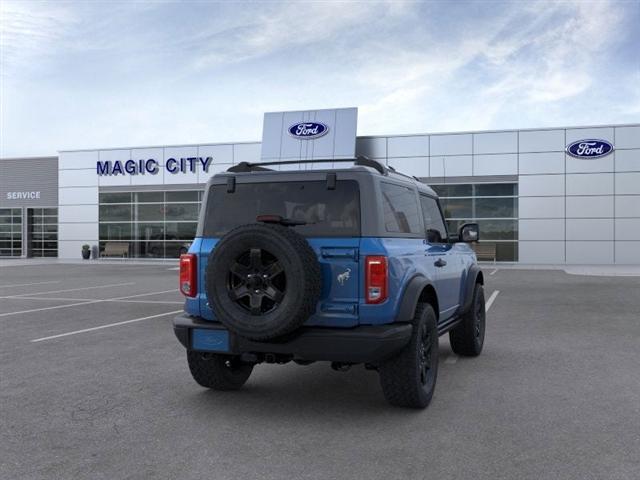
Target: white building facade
[(536, 203)]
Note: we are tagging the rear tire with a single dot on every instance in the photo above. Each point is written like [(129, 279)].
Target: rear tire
[(218, 372), (409, 378), (467, 339)]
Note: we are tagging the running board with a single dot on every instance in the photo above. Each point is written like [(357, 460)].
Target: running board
[(449, 324)]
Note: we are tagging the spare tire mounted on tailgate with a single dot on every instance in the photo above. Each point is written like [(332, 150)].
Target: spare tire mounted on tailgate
[(263, 281)]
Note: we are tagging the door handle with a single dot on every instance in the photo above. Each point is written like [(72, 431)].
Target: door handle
[(440, 263)]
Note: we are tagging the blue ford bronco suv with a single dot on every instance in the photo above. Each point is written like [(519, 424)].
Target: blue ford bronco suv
[(350, 265)]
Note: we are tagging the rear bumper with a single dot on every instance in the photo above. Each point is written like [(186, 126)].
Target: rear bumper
[(364, 344)]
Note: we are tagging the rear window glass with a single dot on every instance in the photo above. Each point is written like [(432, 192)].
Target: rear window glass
[(328, 213)]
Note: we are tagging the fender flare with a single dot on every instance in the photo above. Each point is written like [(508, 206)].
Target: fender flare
[(410, 298), (469, 284)]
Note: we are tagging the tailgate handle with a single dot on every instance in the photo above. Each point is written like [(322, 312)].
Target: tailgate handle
[(351, 253)]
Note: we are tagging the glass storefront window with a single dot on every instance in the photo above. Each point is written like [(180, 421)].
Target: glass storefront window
[(115, 197), (181, 231), (115, 231), (10, 232), (182, 211), (149, 197), (149, 213), (495, 189), (115, 213), (186, 196), (154, 224), (457, 207), (464, 190), (494, 206), (150, 231), (42, 229)]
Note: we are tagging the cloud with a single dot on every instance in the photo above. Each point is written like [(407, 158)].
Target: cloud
[(30, 30), (166, 73), (542, 54), (299, 28)]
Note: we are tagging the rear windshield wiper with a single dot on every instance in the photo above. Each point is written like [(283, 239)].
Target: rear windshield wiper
[(285, 222)]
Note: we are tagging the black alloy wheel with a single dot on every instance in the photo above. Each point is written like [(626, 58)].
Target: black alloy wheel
[(263, 281), (257, 281)]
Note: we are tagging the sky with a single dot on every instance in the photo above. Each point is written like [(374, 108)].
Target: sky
[(96, 74)]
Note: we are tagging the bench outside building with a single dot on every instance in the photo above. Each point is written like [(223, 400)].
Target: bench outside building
[(113, 249), (485, 251)]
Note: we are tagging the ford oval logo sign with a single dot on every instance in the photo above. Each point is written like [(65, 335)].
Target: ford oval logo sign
[(308, 130), (590, 148)]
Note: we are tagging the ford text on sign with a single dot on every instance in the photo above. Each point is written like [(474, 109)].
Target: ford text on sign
[(308, 130), (590, 148)]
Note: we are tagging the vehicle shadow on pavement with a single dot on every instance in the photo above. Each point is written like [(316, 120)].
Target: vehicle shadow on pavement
[(289, 391)]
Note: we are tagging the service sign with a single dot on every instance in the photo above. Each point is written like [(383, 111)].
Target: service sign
[(589, 148), (23, 195)]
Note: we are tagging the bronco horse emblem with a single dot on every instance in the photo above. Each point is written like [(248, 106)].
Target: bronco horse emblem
[(343, 277)]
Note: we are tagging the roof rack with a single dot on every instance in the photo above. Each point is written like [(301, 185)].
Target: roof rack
[(361, 160), (393, 170)]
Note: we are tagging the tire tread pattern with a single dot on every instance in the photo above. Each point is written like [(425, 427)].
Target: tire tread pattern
[(462, 338), (398, 374)]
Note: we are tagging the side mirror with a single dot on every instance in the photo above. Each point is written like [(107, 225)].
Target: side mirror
[(469, 232)]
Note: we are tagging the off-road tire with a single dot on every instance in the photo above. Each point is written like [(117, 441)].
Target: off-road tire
[(467, 339), (301, 270), (218, 372), (401, 377)]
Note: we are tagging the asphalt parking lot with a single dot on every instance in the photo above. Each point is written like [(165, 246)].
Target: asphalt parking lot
[(555, 394)]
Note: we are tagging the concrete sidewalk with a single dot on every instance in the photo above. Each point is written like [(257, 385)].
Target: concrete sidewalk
[(593, 270)]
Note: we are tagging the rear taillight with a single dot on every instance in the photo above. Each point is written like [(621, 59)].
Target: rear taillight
[(188, 270), (376, 279)]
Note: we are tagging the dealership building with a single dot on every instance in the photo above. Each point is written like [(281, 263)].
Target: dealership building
[(567, 195)]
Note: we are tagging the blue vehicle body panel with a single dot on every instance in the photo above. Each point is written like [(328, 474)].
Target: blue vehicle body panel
[(339, 302), (342, 261)]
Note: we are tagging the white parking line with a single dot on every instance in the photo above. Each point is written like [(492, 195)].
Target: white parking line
[(64, 299), (28, 284), (493, 272), (67, 299), (72, 289), (493, 296), (451, 359), (104, 326), (89, 302)]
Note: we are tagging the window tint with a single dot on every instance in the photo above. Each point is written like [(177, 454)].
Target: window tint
[(327, 213), (400, 207), (434, 224)]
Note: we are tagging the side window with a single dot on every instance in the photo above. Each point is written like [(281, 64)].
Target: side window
[(433, 222), (401, 213)]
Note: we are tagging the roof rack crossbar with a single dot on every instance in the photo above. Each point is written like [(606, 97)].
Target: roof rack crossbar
[(260, 166)]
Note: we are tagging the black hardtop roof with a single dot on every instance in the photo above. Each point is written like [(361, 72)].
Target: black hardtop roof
[(361, 165)]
